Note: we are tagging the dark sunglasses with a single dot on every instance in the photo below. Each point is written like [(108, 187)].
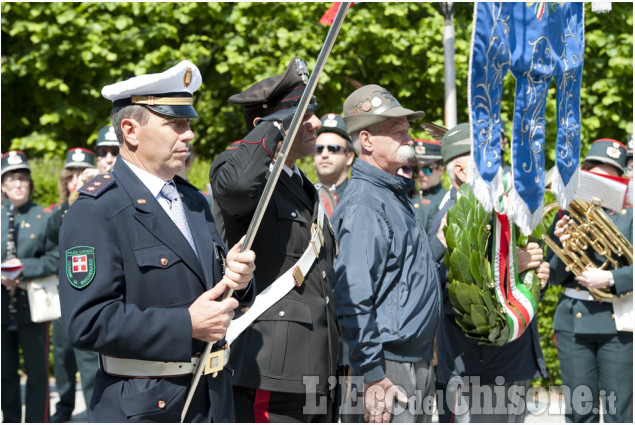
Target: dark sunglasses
[(330, 148), (428, 169)]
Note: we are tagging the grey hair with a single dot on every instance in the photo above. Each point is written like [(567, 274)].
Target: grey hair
[(136, 112), (357, 145), (449, 167)]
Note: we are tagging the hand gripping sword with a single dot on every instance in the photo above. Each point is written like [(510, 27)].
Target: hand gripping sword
[(273, 177)]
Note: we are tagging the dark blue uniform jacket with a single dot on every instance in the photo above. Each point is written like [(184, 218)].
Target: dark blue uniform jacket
[(146, 276)]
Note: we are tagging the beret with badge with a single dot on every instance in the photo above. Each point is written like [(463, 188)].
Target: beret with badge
[(272, 93), (79, 158), (608, 151), (427, 151), (106, 137), (167, 93), (457, 141), (373, 104), (14, 161), (333, 123)]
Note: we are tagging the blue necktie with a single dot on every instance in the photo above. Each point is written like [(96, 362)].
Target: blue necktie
[(178, 213)]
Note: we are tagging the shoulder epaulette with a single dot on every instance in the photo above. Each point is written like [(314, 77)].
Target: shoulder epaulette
[(97, 185)]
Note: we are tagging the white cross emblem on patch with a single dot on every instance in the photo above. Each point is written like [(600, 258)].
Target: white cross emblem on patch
[(80, 264)]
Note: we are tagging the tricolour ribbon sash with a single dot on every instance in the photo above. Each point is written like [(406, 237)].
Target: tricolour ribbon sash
[(516, 300)]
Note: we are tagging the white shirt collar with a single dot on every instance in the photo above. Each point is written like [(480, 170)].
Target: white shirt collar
[(290, 171), (152, 182)]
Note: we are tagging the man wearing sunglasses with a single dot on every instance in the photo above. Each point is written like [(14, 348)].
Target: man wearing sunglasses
[(427, 200), (333, 154)]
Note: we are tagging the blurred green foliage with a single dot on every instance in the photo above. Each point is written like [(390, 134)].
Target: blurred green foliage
[(56, 57)]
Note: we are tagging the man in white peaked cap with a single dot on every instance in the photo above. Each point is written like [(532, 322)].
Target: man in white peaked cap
[(142, 266)]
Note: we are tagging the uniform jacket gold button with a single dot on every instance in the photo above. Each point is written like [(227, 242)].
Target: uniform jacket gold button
[(32, 236), (164, 261), (613, 316), (578, 315), (327, 300), (161, 404), (323, 274), (293, 214), (281, 314), (577, 289)]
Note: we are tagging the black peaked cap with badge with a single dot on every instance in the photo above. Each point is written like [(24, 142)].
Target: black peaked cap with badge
[(608, 151), (373, 104), (334, 123), (106, 137), (14, 161), (167, 93), (279, 91), (79, 158), (427, 151)]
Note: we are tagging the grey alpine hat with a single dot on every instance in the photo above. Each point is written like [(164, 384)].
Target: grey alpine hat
[(373, 104), (456, 142)]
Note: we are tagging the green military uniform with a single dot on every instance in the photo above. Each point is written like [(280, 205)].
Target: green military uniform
[(593, 354), (40, 259), (426, 204)]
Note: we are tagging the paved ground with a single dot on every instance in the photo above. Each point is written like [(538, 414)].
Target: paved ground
[(544, 408)]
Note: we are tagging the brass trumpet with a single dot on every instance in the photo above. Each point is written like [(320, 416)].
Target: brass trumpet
[(590, 227)]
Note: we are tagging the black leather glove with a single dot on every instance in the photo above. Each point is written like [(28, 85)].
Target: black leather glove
[(284, 116)]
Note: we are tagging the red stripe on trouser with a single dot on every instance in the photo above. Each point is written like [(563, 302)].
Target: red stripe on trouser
[(46, 352), (261, 406)]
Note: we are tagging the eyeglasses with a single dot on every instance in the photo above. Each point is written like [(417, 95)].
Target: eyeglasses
[(428, 169), (330, 148)]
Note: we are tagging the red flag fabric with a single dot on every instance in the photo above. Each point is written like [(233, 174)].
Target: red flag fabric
[(329, 15)]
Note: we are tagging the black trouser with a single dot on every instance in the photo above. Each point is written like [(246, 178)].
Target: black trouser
[(66, 362), (252, 405), (33, 338)]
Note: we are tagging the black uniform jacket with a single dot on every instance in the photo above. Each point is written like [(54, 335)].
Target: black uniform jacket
[(146, 276), (297, 336)]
